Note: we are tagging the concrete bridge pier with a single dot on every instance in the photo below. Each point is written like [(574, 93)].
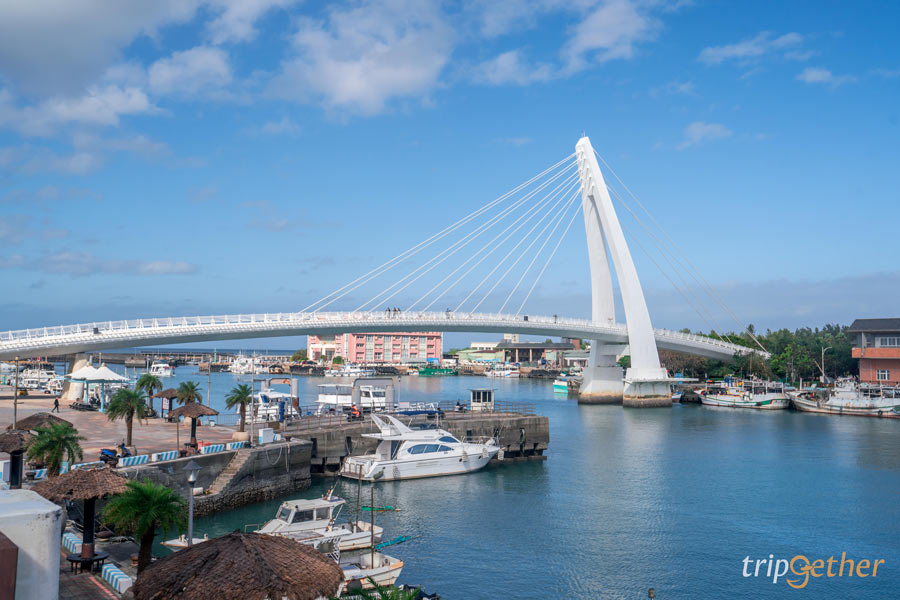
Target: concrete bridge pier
[(647, 394), (602, 377), (74, 390)]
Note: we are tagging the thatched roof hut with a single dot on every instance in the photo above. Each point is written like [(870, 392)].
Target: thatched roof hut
[(169, 393), (82, 484), (193, 410), (41, 419), (14, 440), (241, 566)]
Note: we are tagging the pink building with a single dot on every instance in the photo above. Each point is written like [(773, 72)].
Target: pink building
[(396, 348)]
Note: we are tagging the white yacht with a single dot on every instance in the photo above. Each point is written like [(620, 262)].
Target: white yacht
[(297, 519), (504, 371), (267, 407), (739, 393), (339, 396), (35, 379), (242, 365), (847, 397), (405, 453), (161, 368), (350, 371)]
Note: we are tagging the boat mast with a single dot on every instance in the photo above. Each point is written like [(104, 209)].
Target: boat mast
[(372, 522)]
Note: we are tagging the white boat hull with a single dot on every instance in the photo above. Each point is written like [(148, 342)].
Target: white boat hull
[(757, 402), (393, 470), (385, 571), (884, 409)]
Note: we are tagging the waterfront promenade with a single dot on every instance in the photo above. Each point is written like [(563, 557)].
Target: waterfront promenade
[(148, 436)]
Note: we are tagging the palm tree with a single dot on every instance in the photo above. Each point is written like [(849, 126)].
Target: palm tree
[(142, 508), (240, 395), (149, 384), (126, 404), (189, 391), (53, 444)]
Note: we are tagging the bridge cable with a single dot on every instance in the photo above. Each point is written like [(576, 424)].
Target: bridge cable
[(447, 253), (492, 244), (708, 287), (423, 244), (562, 215), (550, 258), (522, 254)]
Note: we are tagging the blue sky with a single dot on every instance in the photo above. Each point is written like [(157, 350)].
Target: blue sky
[(196, 157)]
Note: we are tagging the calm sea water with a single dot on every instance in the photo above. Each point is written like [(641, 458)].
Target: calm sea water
[(631, 499)]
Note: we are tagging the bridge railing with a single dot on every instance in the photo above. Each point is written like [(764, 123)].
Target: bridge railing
[(262, 321)]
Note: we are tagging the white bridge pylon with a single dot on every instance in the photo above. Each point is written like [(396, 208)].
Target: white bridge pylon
[(645, 382)]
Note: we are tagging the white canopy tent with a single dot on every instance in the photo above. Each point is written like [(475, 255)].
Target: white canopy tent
[(102, 375)]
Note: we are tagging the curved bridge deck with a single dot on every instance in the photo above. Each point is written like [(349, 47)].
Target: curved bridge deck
[(88, 337)]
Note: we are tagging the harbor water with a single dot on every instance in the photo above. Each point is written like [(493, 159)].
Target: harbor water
[(630, 499)]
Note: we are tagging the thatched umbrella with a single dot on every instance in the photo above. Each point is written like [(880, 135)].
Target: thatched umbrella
[(86, 484), (241, 566), (193, 411), (15, 442), (41, 419), (168, 393)]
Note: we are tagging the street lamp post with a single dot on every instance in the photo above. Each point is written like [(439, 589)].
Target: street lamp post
[(192, 468), (16, 396)]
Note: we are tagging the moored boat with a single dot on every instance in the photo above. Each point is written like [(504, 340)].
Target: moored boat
[(561, 385), (297, 519), (160, 368), (381, 568), (847, 397), (739, 393)]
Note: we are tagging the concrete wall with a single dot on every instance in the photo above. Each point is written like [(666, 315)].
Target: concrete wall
[(35, 526), (270, 471)]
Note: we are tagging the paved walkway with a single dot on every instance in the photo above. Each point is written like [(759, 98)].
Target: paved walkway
[(81, 586), (152, 435)]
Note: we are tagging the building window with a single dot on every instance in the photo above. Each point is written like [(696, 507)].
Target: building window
[(889, 342), (883, 375)]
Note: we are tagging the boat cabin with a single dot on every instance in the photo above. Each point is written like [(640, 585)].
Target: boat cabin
[(304, 514)]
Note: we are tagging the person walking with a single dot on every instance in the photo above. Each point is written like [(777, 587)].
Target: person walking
[(55, 404)]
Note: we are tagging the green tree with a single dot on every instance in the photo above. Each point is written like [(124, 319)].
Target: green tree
[(381, 592), (142, 508), (189, 391), (53, 445), (240, 395), (300, 355), (337, 360), (148, 384), (624, 362), (126, 404)]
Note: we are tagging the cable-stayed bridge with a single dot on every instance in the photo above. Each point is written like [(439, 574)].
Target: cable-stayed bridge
[(513, 238)]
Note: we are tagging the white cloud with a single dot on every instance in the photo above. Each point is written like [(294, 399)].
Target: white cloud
[(98, 106), (509, 68), (236, 22), (285, 126), (824, 76), (85, 263), (887, 73), (29, 160), (365, 56), (609, 32), (198, 71), (682, 88), (59, 47), (699, 132), (752, 48)]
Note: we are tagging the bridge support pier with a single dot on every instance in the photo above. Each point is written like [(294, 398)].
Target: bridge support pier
[(647, 394), (602, 377), (74, 390)]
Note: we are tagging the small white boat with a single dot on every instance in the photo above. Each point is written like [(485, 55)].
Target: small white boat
[(561, 385), (739, 393), (849, 398), (352, 371), (270, 405), (380, 567), (404, 453), (503, 372), (297, 519), (339, 396), (160, 368), (180, 543)]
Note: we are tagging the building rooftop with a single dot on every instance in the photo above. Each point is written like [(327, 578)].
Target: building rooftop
[(870, 325)]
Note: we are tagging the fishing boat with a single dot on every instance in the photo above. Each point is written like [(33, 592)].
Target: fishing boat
[(297, 519), (504, 371), (734, 392), (847, 397), (339, 396), (269, 405), (161, 368), (404, 453), (435, 371), (561, 385), (381, 568)]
